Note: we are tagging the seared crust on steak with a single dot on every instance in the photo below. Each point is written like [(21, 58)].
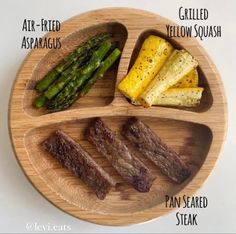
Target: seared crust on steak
[(73, 157), (117, 153), (151, 146)]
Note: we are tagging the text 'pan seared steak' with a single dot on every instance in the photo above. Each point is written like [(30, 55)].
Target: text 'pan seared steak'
[(117, 153), (151, 146), (73, 157)]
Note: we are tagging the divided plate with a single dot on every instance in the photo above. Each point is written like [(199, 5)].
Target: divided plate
[(196, 134)]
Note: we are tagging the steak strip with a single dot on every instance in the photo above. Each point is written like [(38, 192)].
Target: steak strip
[(151, 146), (117, 153), (73, 157)]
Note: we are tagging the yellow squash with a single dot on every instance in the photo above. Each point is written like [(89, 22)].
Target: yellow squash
[(179, 64), (153, 54), (188, 81), (184, 97)]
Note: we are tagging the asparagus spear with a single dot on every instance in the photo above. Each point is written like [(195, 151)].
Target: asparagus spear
[(40, 101), (63, 106), (66, 62), (105, 65), (58, 85), (65, 77), (71, 88)]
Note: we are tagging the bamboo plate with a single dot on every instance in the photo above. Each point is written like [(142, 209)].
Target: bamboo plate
[(196, 134)]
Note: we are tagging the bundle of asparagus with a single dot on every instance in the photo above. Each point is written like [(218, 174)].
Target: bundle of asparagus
[(76, 74)]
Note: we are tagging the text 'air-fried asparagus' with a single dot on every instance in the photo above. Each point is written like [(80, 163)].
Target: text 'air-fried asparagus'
[(151, 146), (117, 153), (73, 157)]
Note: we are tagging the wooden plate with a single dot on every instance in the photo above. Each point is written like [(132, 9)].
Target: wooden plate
[(197, 134)]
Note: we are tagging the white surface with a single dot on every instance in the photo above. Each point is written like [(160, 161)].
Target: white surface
[(20, 203)]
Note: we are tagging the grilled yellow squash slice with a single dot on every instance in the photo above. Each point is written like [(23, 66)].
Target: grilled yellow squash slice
[(188, 81), (179, 64), (184, 97), (179, 97), (153, 54)]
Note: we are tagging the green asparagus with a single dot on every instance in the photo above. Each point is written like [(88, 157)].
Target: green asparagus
[(40, 101), (105, 65), (66, 62), (101, 71), (72, 87), (65, 77), (55, 88)]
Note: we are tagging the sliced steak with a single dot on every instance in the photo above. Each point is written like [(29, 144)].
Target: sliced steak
[(73, 157), (151, 146), (117, 153)]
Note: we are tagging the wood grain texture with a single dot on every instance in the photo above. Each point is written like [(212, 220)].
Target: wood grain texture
[(196, 134)]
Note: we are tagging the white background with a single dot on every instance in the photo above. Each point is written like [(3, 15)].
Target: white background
[(20, 203)]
